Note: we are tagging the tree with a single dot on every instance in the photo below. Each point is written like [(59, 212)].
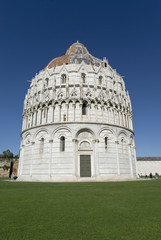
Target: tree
[(7, 154)]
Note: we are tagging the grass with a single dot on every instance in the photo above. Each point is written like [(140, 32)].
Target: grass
[(80, 211), (4, 178)]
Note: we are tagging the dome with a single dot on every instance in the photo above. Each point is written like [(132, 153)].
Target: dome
[(76, 53)]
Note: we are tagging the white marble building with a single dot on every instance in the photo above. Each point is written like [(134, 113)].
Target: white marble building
[(147, 165), (77, 122)]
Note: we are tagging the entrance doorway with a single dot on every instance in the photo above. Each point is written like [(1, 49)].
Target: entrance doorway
[(85, 165)]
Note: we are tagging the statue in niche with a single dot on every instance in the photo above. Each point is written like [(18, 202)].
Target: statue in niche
[(60, 95), (47, 97), (88, 94), (28, 140), (101, 95), (74, 93)]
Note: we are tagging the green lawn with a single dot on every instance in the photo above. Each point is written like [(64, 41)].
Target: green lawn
[(80, 211)]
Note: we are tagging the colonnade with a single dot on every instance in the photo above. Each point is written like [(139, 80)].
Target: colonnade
[(72, 112)]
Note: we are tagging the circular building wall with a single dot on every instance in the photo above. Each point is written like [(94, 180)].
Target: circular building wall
[(77, 122)]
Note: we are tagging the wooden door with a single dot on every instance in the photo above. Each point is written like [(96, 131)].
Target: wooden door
[(85, 165)]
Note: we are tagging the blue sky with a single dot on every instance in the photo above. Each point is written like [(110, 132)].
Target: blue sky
[(128, 33)]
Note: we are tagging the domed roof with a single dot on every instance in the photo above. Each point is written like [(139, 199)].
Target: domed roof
[(76, 53)]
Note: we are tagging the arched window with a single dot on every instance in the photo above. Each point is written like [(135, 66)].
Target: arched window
[(64, 117), (106, 143), (63, 78), (47, 81), (100, 80), (84, 109), (123, 145), (120, 86), (41, 145), (83, 76), (62, 144)]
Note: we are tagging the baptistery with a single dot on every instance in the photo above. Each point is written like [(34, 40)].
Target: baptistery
[(77, 122)]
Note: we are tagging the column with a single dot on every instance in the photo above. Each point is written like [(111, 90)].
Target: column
[(96, 111), (117, 156), (31, 159), (131, 122), (80, 107), (119, 119), (59, 112), (113, 111), (73, 111), (26, 121), (50, 160), (131, 168), (135, 160), (95, 157), (66, 111), (20, 161), (36, 117), (53, 114), (32, 118), (102, 108), (108, 120), (23, 124), (127, 120), (124, 120), (41, 116), (47, 109), (88, 112), (75, 167)]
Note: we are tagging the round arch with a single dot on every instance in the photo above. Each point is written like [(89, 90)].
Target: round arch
[(85, 130), (108, 129), (60, 128), (41, 130), (122, 132)]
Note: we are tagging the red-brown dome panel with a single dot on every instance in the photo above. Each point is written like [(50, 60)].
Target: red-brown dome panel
[(76, 53)]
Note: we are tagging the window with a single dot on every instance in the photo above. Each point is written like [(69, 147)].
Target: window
[(106, 143), (123, 145), (84, 109), (63, 78), (64, 117), (41, 145), (47, 81), (100, 80), (62, 144), (83, 76), (120, 86)]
